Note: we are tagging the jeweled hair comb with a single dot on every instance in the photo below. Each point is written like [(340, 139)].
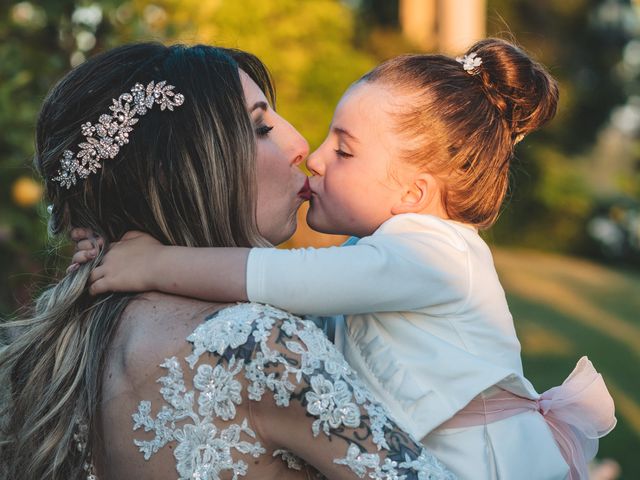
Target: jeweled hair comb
[(104, 139)]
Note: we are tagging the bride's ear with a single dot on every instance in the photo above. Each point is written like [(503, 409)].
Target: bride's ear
[(419, 196)]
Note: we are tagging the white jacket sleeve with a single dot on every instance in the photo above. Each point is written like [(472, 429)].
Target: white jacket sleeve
[(392, 270)]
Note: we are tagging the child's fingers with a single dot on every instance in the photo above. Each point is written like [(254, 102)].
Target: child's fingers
[(80, 233), (96, 274), (91, 242), (84, 245), (72, 268), (83, 256), (98, 287), (77, 234)]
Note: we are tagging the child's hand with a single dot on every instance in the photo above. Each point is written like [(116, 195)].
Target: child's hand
[(87, 245), (127, 265)]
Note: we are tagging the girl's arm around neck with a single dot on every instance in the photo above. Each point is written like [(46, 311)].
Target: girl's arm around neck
[(214, 274), (381, 273), (139, 263)]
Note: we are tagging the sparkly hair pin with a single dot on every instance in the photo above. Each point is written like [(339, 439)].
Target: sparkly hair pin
[(104, 139), (470, 63)]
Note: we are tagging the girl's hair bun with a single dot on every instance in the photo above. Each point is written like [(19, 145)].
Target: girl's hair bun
[(519, 87)]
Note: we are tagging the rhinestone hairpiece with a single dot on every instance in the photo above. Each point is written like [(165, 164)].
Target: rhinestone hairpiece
[(470, 63), (104, 139)]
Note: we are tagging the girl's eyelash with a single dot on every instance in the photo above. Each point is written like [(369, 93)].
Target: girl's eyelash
[(263, 130), (342, 153)]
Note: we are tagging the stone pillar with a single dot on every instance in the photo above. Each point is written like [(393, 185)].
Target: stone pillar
[(461, 23), (418, 22)]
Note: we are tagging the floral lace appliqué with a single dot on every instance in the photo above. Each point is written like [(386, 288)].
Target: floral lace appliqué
[(331, 402), (306, 368), (203, 450), (293, 462)]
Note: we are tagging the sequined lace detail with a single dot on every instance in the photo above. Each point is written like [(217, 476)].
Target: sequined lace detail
[(333, 395), (80, 439), (293, 462)]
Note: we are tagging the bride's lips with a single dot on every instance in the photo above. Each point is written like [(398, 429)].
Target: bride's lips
[(305, 191)]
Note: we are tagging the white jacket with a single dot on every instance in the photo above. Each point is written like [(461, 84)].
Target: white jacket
[(427, 324)]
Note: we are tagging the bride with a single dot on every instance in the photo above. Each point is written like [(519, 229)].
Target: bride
[(182, 143)]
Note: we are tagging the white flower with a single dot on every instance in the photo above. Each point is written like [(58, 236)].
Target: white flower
[(293, 462), (194, 445), (331, 402), (173, 383), (379, 421), (428, 467), (470, 62), (224, 330), (219, 389), (289, 327), (359, 462), (202, 454), (334, 395)]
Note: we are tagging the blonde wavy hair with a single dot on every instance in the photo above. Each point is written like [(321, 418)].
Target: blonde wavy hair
[(187, 177)]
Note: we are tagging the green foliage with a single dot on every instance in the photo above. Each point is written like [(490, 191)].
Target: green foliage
[(548, 204), (551, 200), (33, 55), (37, 44), (307, 45), (580, 51)]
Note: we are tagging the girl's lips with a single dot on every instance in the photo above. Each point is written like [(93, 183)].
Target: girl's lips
[(305, 191)]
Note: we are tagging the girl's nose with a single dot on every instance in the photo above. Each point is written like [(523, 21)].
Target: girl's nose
[(314, 163)]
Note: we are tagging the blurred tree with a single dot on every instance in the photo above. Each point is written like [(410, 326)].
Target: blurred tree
[(307, 45), (581, 42), (38, 43), (581, 49)]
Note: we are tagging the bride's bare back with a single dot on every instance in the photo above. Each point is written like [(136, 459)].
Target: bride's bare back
[(248, 390)]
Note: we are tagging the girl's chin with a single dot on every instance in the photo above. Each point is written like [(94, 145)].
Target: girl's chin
[(321, 227), (320, 223)]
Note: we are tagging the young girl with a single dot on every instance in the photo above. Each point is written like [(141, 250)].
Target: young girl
[(415, 163)]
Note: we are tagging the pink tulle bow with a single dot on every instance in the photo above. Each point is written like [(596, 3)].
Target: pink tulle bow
[(579, 412)]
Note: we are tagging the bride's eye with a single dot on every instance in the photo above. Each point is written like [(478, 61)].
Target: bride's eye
[(263, 130)]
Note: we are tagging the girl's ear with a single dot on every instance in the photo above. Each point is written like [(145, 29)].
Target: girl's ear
[(421, 195)]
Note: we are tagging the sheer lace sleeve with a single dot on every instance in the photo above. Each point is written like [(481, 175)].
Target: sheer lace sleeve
[(305, 405)]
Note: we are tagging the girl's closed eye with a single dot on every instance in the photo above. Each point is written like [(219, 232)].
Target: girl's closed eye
[(342, 153)]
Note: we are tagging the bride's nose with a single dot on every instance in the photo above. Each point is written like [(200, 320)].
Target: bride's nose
[(300, 150)]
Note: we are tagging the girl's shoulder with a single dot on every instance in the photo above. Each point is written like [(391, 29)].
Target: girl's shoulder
[(429, 230)]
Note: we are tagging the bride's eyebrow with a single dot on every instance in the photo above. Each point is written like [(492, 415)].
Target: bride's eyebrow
[(261, 105)]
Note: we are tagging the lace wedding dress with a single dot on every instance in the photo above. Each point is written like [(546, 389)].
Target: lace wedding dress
[(291, 378)]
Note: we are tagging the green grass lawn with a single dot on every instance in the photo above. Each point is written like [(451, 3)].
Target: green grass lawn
[(566, 307)]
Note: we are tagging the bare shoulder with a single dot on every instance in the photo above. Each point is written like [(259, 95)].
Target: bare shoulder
[(154, 327)]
